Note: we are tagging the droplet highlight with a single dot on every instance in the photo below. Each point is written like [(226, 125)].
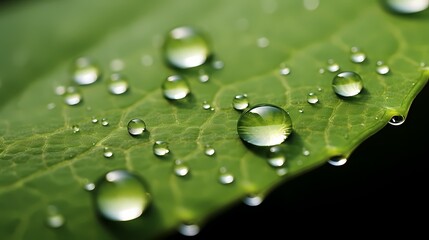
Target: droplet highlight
[(264, 125), (347, 84), (121, 195), (136, 127)]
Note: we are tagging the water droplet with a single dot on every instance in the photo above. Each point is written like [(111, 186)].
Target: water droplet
[(263, 42), (117, 83), (240, 102), (181, 169), (397, 120), (311, 5), (94, 120), (407, 6), (160, 148), (333, 66), (209, 150), (225, 177), (75, 128), (147, 60), (276, 156), (136, 127), (264, 125), (60, 90), (51, 106), (72, 96), (382, 68), (284, 71), (107, 153), (253, 200), (104, 122), (312, 98), (218, 64), (305, 152), (189, 230), (85, 71), (281, 171), (54, 218), (300, 110), (186, 47), (357, 55), (175, 87), (121, 195), (206, 105), (89, 186), (117, 65), (337, 161), (347, 84), (203, 76), (321, 70)]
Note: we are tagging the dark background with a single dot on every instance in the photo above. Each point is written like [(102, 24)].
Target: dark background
[(380, 191)]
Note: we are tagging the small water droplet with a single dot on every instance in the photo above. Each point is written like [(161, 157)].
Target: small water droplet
[(181, 169), (209, 150), (357, 55), (347, 84), (186, 47), (240, 102), (75, 128), (147, 60), (121, 195), (264, 125), (203, 76), (276, 156), (284, 71), (397, 120), (188, 230), (333, 66), (312, 98), (89, 186), (94, 120), (175, 87), (72, 96), (225, 177), (60, 90), (117, 83), (263, 42), (337, 160), (407, 6), (300, 110), (253, 200), (305, 152), (54, 218), (218, 64), (281, 171), (160, 148), (104, 122), (382, 68), (136, 127), (107, 153), (117, 65), (85, 71), (321, 70), (206, 105)]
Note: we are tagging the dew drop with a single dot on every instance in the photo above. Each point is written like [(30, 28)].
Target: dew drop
[(276, 156), (104, 122), (85, 71), (209, 150), (284, 71), (121, 195), (397, 120), (357, 55), (89, 186), (240, 102), (305, 152), (107, 153), (264, 125), (94, 120), (75, 128), (206, 105), (300, 110), (181, 169), (72, 96), (407, 6), (225, 177), (253, 200), (185, 47), (333, 66), (175, 87), (347, 84), (337, 161), (203, 76), (54, 218), (136, 127), (117, 83), (312, 98), (382, 68), (189, 230), (160, 148)]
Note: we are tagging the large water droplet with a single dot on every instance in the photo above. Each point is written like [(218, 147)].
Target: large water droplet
[(136, 127), (175, 87), (54, 218), (160, 148), (264, 125), (85, 71), (117, 83), (72, 96), (347, 84), (337, 160), (186, 47), (121, 195), (407, 6), (397, 120), (240, 102)]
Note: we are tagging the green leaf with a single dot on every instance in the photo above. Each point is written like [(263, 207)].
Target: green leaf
[(44, 164)]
